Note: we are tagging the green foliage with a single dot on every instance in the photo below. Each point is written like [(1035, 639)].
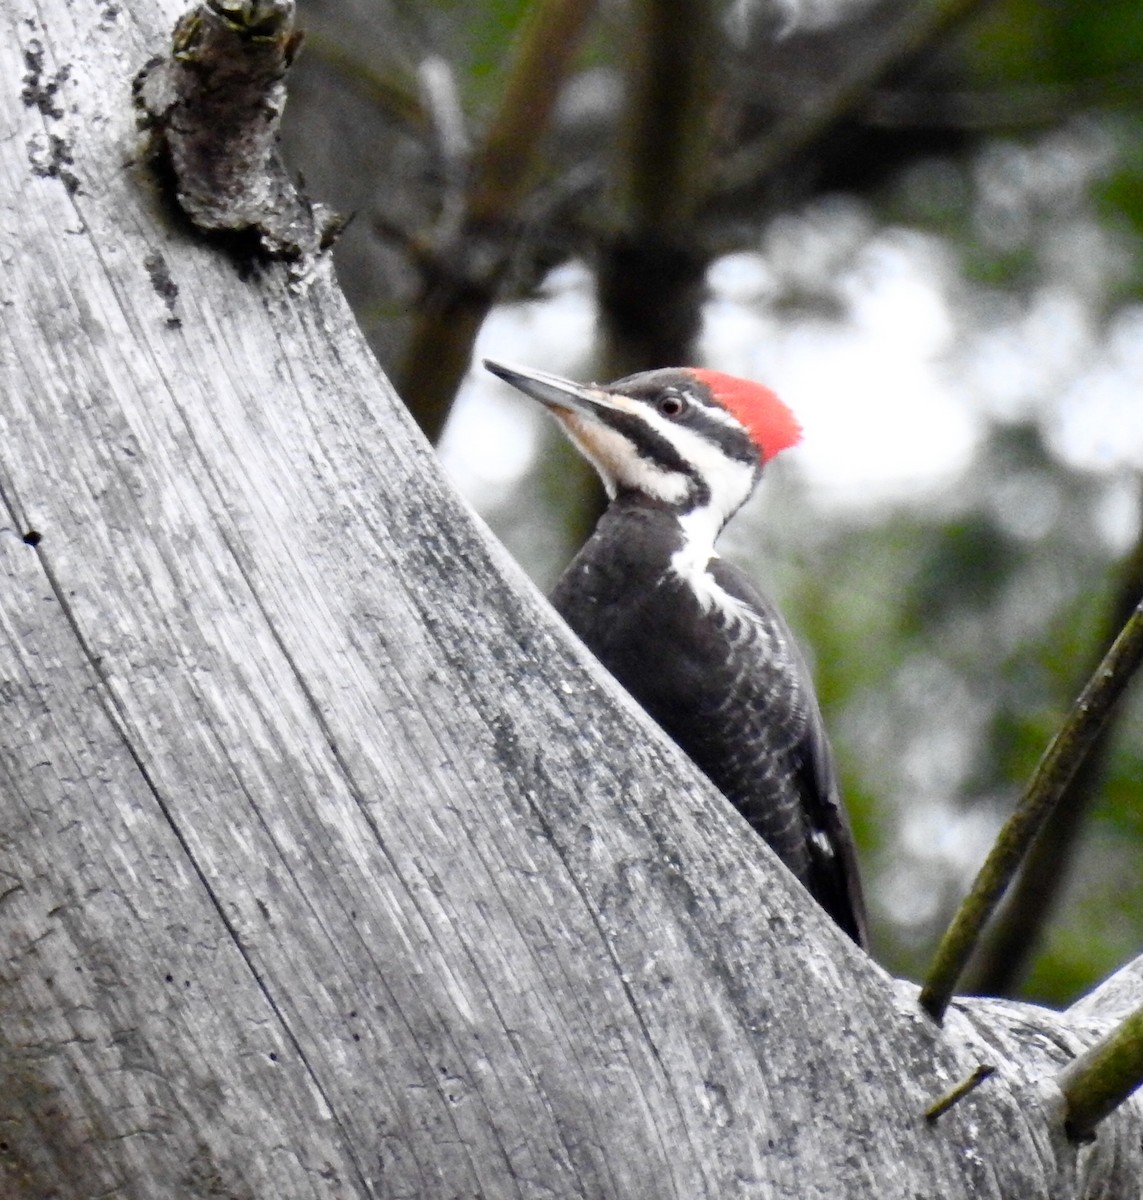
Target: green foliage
[(1022, 42), (1120, 197), (964, 565), (1051, 62), (482, 35)]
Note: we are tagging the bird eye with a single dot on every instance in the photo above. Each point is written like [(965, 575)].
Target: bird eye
[(671, 404)]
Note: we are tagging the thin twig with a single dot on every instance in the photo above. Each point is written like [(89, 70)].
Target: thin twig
[(1055, 769), (956, 1094), (388, 91), (1103, 1077)]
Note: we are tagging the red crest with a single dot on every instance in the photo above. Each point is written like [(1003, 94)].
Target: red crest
[(771, 425)]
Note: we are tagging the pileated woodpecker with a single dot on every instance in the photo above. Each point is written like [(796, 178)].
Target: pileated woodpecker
[(708, 657)]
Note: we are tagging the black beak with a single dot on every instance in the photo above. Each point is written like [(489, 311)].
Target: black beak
[(552, 390)]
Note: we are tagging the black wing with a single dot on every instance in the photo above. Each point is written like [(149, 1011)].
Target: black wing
[(719, 670), (782, 699)]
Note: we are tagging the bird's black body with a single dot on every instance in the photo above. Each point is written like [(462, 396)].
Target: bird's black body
[(707, 656), (728, 684)]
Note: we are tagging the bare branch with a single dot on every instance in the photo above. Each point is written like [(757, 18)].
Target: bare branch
[(1056, 768), (1103, 1077), (1014, 934), (956, 1094), (214, 104), (920, 28), (399, 104)]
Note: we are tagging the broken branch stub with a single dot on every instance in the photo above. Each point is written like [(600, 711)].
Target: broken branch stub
[(214, 105)]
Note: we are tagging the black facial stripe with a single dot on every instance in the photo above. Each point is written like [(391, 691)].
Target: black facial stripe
[(649, 443), (655, 448)]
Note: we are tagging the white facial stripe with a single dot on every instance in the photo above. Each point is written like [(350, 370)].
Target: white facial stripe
[(691, 560), (731, 483), (730, 480), (700, 528), (720, 415)]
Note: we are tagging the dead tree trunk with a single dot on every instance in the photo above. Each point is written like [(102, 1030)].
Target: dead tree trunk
[(329, 865)]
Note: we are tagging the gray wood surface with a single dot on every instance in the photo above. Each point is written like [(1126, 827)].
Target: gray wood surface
[(329, 865)]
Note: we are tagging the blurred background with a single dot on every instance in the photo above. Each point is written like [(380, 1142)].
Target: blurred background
[(919, 221)]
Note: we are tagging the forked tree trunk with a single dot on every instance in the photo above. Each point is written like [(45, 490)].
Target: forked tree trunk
[(329, 865)]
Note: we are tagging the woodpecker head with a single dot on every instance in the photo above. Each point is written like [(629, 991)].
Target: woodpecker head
[(692, 440)]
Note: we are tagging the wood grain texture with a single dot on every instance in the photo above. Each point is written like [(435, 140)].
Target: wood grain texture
[(329, 865)]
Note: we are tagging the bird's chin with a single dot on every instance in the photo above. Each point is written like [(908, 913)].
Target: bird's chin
[(602, 447)]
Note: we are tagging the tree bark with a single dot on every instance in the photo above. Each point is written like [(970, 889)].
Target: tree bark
[(330, 865)]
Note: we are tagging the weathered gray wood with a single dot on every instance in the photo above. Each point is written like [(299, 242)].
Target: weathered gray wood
[(329, 866)]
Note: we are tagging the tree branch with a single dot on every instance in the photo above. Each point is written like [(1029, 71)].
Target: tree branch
[(468, 260), (1103, 1077), (918, 30), (1052, 775), (214, 105), (395, 100), (1012, 937), (651, 269)]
